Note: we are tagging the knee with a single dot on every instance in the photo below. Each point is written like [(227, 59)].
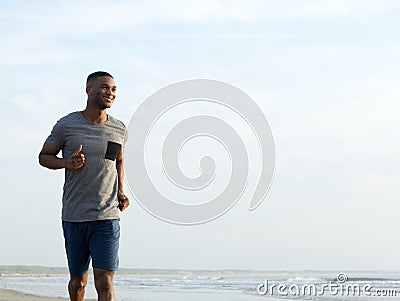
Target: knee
[(77, 283), (104, 282)]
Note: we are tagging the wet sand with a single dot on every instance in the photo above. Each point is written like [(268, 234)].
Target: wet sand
[(9, 295)]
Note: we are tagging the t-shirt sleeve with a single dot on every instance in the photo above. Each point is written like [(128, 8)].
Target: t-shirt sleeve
[(56, 137), (125, 136)]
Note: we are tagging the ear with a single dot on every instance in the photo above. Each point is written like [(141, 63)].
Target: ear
[(88, 91)]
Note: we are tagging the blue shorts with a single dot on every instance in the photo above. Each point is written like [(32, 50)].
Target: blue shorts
[(96, 240)]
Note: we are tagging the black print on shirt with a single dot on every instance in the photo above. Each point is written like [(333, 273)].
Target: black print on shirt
[(113, 149)]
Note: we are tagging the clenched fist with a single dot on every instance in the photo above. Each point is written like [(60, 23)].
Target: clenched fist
[(123, 201)]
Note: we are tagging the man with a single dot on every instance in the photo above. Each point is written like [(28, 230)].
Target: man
[(91, 142)]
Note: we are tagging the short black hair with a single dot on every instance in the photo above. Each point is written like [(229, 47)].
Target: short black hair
[(97, 74)]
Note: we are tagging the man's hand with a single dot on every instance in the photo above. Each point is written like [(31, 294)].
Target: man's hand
[(123, 201), (77, 160)]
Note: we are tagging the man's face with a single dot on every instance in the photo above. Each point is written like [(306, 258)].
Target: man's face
[(103, 91)]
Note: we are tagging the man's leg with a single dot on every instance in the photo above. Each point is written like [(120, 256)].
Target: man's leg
[(78, 255), (104, 245), (103, 281), (76, 287)]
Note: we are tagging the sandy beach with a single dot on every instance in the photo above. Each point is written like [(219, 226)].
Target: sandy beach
[(27, 283), (9, 295)]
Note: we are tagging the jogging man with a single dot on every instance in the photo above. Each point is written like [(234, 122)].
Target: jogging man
[(91, 142)]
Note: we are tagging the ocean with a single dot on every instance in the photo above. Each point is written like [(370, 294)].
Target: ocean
[(214, 285)]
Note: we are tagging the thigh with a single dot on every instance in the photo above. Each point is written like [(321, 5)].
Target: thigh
[(104, 244), (77, 247)]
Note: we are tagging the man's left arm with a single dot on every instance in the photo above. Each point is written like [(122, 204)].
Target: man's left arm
[(122, 198)]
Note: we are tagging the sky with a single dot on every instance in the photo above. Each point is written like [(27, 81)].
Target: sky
[(326, 75)]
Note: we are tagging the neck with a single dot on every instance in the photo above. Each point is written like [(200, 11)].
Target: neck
[(95, 115)]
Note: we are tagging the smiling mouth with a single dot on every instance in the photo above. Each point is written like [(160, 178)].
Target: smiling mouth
[(109, 99)]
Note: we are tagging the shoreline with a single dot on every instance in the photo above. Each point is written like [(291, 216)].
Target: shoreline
[(12, 295)]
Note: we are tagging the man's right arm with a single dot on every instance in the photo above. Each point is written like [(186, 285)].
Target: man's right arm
[(48, 158)]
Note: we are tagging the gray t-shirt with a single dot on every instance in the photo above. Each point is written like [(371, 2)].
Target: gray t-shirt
[(90, 192)]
